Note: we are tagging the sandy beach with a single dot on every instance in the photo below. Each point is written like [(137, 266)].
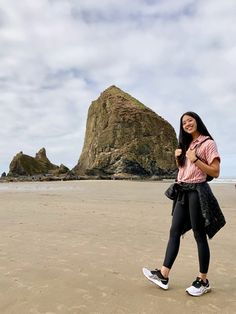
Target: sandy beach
[(79, 247)]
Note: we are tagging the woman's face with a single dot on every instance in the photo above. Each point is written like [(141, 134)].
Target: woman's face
[(189, 124)]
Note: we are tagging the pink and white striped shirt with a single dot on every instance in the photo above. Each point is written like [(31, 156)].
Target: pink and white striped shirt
[(207, 152)]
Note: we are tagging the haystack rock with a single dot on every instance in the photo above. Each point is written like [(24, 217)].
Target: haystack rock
[(124, 137), (24, 165)]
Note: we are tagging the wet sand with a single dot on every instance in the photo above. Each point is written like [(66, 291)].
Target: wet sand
[(79, 247)]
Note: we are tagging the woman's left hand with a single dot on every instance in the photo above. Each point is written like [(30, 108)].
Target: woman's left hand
[(191, 154)]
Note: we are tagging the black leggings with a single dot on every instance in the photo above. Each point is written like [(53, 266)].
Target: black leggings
[(182, 213)]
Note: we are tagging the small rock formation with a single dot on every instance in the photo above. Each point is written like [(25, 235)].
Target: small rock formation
[(24, 165), (62, 169), (124, 137), (44, 162)]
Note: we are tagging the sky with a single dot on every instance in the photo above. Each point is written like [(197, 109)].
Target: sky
[(57, 56)]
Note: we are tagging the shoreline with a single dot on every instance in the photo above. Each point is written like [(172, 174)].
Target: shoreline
[(7, 185)]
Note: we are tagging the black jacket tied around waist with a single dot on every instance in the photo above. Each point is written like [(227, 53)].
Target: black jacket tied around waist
[(211, 211)]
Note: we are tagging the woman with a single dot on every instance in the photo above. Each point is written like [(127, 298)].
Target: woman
[(194, 206)]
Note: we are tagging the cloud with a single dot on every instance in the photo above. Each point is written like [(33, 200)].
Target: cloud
[(57, 56)]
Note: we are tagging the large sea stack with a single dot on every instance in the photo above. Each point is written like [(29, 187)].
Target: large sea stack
[(125, 138)]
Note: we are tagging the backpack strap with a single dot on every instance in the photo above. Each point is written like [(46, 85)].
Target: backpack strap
[(198, 145), (208, 178), (206, 139)]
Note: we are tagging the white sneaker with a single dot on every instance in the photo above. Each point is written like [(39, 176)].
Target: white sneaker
[(198, 288), (156, 277)]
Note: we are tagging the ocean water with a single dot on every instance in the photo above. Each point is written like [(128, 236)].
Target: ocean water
[(224, 180)]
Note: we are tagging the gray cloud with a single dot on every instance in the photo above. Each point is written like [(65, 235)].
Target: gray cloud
[(57, 56)]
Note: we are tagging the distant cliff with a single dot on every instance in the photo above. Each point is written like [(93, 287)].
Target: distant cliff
[(124, 137), (24, 165)]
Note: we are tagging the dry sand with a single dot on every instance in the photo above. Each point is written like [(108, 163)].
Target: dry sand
[(78, 247)]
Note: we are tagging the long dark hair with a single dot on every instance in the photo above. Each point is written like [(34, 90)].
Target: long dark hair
[(185, 139)]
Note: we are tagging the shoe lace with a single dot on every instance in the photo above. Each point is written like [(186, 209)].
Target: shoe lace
[(198, 282), (155, 271)]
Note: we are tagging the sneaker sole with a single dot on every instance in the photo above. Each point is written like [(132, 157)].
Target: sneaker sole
[(148, 275), (198, 295)]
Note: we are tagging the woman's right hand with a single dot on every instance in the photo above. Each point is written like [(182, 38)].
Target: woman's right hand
[(178, 152)]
